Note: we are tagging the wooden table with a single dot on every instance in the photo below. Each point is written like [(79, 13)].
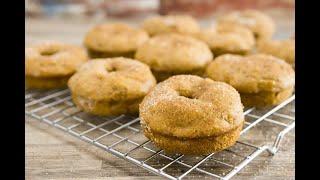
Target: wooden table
[(53, 154)]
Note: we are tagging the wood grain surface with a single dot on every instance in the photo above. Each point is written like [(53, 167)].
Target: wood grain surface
[(53, 154)]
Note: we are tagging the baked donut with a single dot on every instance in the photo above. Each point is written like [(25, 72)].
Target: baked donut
[(111, 86), (182, 24), (227, 38), (191, 115), (262, 26), (113, 40), (172, 54), (262, 80), (49, 65), (284, 49)]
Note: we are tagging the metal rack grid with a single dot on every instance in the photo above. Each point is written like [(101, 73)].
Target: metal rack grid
[(121, 136)]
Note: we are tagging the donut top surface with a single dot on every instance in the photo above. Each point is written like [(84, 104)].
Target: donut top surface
[(53, 59), (174, 52), (181, 24), (284, 49), (116, 37), (188, 106), (228, 37), (259, 23), (112, 79), (252, 73)]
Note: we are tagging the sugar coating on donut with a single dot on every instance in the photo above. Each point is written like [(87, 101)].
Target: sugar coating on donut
[(188, 106), (253, 73), (284, 49), (227, 38), (111, 86), (182, 24), (53, 59), (259, 23), (114, 38), (174, 53)]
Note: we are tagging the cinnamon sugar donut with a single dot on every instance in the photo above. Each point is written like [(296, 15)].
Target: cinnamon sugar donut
[(181, 24), (114, 40), (191, 115), (111, 86), (262, 80), (50, 64), (262, 26), (227, 38), (284, 49), (172, 54)]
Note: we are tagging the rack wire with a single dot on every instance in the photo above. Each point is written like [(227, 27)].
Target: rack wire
[(122, 136)]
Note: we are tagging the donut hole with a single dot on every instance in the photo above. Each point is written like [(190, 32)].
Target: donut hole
[(186, 94), (49, 52), (111, 69)]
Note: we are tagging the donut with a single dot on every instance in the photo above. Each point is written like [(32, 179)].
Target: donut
[(228, 39), (50, 64), (111, 86), (114, 40), (283, 49), (191, 115), (262, 26), (181, 24), (172, 54), (262, 80)]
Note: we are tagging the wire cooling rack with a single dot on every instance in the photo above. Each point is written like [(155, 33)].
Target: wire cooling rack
[(122, 136)]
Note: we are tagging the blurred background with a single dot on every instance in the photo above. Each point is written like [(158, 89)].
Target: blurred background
[(129, 8), (72, 18)]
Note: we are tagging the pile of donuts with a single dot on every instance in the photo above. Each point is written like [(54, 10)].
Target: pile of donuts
[(188, 84)]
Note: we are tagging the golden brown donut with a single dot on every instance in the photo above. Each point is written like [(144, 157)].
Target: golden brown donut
[(262, 26), (227, 38), (283, 49), (171, 54), (182, 24), (50, 64), (114, 40), (262, 80), (111, 86), (191, 115)]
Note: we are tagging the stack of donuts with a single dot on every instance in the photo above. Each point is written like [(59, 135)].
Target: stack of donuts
[(189, 85)]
